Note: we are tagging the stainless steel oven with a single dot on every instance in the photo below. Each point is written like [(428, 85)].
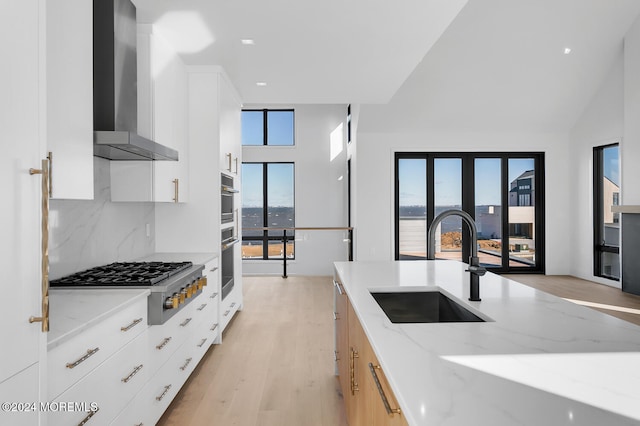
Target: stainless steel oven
[(227, 260), (227, 193)]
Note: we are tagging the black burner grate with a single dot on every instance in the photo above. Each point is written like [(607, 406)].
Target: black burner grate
[(123, 274)]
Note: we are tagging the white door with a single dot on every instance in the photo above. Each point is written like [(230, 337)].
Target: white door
[(21, 139)]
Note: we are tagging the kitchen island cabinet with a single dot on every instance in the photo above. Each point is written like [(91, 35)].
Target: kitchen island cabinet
[(536, 359)]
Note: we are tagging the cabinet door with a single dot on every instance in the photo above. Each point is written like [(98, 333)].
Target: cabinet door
[(21, 120), (230, 141), (377, 414), (356, 407), (342, 337), (169, 77), (70, 97)]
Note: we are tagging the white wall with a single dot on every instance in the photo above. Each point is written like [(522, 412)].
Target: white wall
[(374, 198), (320, 190), (601, 123), (630, 147)]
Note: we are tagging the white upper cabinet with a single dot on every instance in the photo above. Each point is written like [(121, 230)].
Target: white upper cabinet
[(230, 144), (162, 117), (69, 82)]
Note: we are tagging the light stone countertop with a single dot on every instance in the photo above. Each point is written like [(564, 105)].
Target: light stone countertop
[(540, 360), (196, 258), (75, 310)]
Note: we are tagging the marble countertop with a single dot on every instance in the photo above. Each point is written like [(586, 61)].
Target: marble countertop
[(75, 310), (538, 360), (196, 258)]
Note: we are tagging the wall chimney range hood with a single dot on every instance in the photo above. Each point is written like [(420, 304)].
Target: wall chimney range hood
[(115, 92)]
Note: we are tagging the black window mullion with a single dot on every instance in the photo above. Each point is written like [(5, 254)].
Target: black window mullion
[(431, 196), (468, 201), (505, 187), (265, 214), (539, 212)]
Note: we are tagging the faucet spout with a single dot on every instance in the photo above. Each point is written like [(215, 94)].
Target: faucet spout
[(475, 270)]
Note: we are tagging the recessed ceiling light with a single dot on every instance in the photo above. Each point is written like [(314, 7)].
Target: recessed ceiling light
[(261, 83), (248, 41), (567, 50)]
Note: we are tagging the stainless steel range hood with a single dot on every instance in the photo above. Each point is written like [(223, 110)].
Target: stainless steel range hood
[(115, 93)]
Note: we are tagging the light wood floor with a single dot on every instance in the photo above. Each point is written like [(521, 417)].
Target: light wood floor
[(275, 366)]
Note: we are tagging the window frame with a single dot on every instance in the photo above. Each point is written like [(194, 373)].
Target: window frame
[(265, 237), (265, 126), (599, 245), (468, 200)]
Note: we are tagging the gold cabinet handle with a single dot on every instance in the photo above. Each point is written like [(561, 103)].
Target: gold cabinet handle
[(383, 396), (44, 266), (204, 305), (166, 389), (133, 324), (226, 313), (176, 194), (352, 369), (133, 373), (186, 363), (213, 327), (185, 322), (202, 343), (164, 343), (90, 353), (86, 419), (232, 305), (213, 296), (236, 161)]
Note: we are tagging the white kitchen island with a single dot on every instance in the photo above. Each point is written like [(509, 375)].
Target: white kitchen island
[(538, 359)]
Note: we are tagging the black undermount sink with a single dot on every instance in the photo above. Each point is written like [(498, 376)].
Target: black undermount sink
[(422, 307)]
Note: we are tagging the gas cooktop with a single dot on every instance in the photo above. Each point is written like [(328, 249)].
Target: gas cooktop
[(123, 274)]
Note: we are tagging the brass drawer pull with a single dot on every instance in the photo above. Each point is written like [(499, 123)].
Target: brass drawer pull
[(86, 419), (164, 343), (214, 327), (353, 354), (166, 389), (232, 305), (215, 268), (186, 363), (89, 353), (226, 313), (204, 305), (385, 401), (130, 326), (133, 373), (185, 322), (213, 296), (202, 343), (175, 190)]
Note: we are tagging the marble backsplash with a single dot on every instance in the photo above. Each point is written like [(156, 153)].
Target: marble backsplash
[(88, 233)]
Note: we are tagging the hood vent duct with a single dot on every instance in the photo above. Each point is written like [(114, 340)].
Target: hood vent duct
[(115, 92)]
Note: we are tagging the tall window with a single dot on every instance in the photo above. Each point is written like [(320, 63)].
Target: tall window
[(267, 202), (499, 190), (274, 127), (606, 193)]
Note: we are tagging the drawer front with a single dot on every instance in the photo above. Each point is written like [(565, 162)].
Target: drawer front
[(165, 339), (104, 392), (153, 400), (20, 389), (72, 360), (228, 308)]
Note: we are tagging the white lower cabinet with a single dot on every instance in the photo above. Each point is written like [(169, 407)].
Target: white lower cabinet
[(229, 306), (71, 361), (102, 394), (18, 390)]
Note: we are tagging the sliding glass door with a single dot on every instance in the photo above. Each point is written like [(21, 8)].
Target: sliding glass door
[(503, 192)]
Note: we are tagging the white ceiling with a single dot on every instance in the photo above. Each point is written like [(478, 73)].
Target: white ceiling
[(328, 51), (501, 66)]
